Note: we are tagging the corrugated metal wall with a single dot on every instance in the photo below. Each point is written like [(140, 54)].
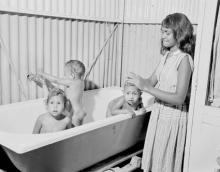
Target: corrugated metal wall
[(43, 34)]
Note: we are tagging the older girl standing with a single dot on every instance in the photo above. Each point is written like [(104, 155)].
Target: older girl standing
[(169, 83)]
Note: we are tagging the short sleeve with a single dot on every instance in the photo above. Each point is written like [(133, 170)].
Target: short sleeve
[(181, 58)]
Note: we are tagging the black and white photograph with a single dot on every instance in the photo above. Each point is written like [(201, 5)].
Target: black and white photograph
[(109, 86)]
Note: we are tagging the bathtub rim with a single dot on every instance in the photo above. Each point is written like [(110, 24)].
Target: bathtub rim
[(16, 142)]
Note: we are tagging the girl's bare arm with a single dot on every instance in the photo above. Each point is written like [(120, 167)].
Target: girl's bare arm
[(176, 98)]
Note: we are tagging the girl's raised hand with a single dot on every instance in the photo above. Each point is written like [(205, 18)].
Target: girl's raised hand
[(136, 80), (141, 83)]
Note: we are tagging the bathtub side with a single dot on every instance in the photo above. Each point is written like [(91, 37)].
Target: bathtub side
[(19, 118), (84, 150)]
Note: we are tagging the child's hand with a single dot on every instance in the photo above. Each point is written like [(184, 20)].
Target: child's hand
[(30, 76), (35, 77), (142, 110), (132, 113), (77, 121)]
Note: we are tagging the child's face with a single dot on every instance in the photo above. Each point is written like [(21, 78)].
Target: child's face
[(55, 105), (167, 37), (131, 95)]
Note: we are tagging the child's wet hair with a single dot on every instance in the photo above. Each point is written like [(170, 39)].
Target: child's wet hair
[(182, 30), (128, 84), (57, 92), (76, 67)]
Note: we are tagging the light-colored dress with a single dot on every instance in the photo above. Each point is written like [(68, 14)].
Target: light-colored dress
[(166, 133)]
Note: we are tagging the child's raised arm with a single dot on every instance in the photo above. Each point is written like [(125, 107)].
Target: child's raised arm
[(56, 80)]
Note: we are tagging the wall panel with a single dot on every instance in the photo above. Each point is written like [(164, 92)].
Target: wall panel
[(31, 52), (14, 52), (5, 69), (141, 11), (153, 11), (44, 34), (39, 50), (42, 43), (98, 10)]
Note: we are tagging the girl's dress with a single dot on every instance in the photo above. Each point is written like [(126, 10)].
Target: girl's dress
[(165, 138)]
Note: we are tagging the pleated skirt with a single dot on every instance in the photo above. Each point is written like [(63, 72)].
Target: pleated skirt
[(165, 139)]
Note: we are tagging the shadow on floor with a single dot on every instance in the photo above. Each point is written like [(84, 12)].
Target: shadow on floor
[(5, 163)]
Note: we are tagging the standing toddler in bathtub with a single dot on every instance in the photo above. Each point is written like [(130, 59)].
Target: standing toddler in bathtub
[(130, 102), (74, 71), (55, 119)]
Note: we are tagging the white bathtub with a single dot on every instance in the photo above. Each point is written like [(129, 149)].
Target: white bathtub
[(74, 149)]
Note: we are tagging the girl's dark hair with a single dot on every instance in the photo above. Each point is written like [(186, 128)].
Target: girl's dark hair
[(182, 30)]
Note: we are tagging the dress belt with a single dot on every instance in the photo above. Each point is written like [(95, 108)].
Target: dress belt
[(181, 107)]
